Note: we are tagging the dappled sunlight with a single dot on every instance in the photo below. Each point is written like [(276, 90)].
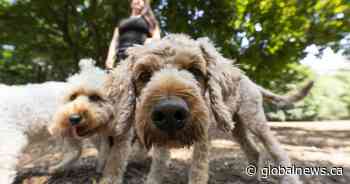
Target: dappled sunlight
[(309, 144)]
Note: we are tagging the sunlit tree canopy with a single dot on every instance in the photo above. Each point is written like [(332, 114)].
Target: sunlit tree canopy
[(44, 40)]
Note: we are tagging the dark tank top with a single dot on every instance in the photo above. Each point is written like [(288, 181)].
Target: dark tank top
[(133, 30)]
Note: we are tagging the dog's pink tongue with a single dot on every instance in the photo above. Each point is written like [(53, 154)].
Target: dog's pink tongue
[(74, 133)]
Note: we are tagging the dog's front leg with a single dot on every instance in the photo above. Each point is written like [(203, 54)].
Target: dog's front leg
[(72, 152), (117, 160), (200, 163), (104, 148), (159, 159)]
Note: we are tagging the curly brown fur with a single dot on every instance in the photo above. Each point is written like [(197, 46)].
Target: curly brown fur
[(282, 101), (120, 94), (89, 106), (94, 112), (181, 87), (248, 111), (178, 67), (105, 115), (167, 70)]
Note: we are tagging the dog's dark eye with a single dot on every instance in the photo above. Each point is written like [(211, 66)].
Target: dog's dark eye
[(196, 72), (73, 97), (95, 98), (144, 77)]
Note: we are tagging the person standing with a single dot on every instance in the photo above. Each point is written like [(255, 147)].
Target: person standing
[(140, 27)]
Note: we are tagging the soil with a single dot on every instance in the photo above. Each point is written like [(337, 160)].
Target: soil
[(309, 144)]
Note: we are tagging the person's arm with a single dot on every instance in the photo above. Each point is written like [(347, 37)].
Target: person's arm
[(156, 32), (154, 35), (112, 55), (149, 16)]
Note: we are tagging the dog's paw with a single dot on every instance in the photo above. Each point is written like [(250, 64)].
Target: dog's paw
[(226, 127), (106, 180), (99, 169), (292, 179), (110, 180), (54, 169)]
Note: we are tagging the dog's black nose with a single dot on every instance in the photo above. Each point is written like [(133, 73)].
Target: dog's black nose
[(75, 119), (170, 114)]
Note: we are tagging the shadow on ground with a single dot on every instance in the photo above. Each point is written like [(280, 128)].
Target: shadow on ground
[(308, 147)]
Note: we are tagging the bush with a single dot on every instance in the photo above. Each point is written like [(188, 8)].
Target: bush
[(329, 100)]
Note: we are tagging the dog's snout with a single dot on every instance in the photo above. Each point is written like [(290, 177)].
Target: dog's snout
[(75, 119), (170, 114)]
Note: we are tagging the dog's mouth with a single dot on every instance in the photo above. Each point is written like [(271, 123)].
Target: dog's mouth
[(81, 132)]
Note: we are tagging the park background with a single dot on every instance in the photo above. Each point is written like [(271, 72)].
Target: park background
[(280, 44), (44, 40)]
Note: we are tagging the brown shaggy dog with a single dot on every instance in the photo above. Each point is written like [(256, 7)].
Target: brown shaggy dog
[(181, 85)]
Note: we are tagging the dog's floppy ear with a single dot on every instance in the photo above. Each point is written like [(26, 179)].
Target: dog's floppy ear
[(120, 92), (222, 85)]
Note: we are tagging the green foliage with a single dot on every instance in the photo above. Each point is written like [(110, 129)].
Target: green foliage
[(345, 96), (50, 37), (265, 37), (44, 40), (329, 100)]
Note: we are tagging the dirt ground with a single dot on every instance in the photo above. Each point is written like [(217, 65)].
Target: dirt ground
[(309, 144)]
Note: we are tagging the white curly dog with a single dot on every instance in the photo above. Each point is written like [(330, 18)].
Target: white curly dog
[(26, 110)]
